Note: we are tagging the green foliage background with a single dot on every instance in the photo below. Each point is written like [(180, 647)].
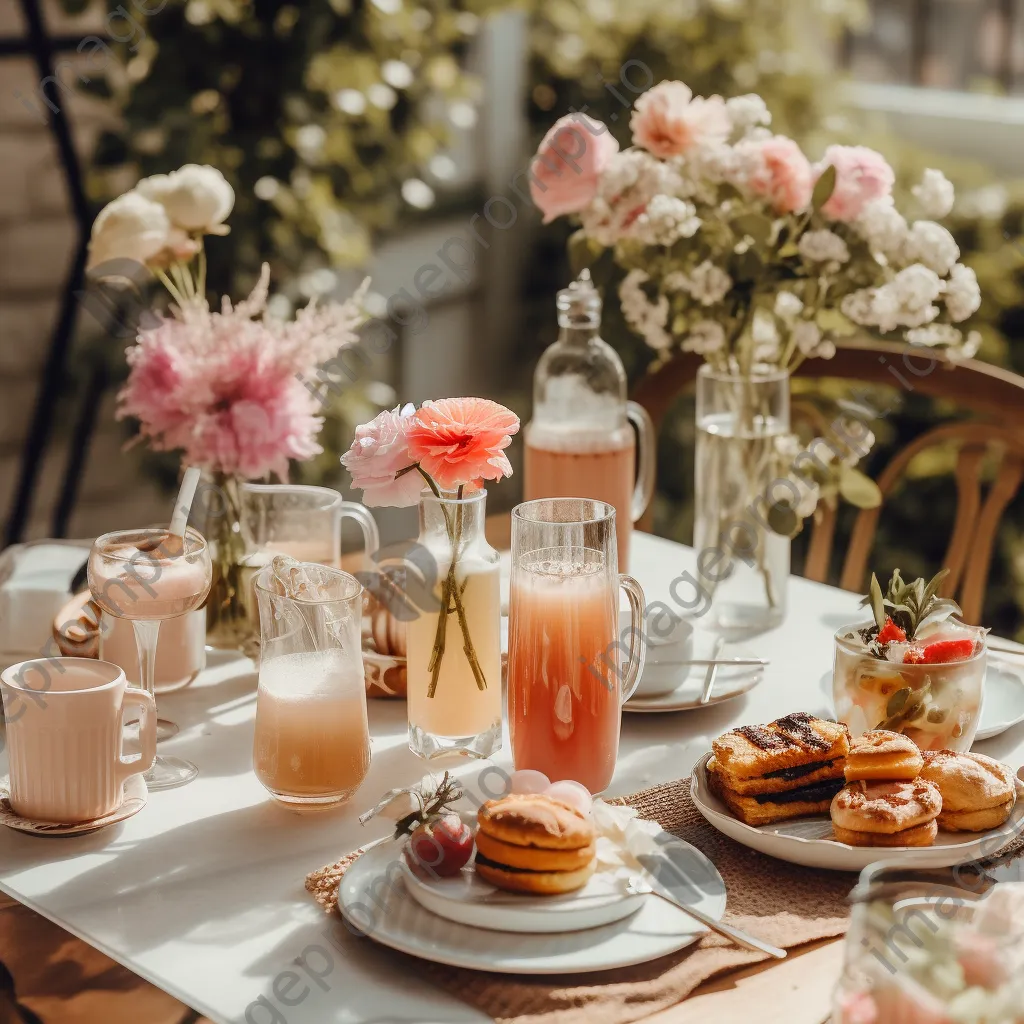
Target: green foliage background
[(268, 91)]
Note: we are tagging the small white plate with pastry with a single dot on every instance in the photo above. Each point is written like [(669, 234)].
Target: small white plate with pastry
[(799, 790), (534, 877)]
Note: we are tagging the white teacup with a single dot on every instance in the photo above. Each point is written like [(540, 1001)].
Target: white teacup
[(64, 736), (669, 650)]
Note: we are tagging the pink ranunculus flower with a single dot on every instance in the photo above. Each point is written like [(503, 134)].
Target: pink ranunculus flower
[(862, 175), (379, 454), (779, 171), (459, 441), (565, 173), (669, 120)]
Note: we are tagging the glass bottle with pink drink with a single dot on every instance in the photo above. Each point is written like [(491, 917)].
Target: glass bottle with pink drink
[(585, 440)]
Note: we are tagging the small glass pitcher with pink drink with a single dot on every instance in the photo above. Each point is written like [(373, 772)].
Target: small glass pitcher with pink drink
[(580, 442), (312, 744)]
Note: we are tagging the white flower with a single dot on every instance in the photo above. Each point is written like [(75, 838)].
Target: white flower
[(906, 301), (823, 247), (935, 194), (131, 227), (935, 335), (882, 226), (969, 349), (707, 283), (931, 244), (648, 319), (807, 336), (748, 111), (666, 220), (705, 337), (987, 203), (963, 296), (765, 336), (788, 306), (197, 198)]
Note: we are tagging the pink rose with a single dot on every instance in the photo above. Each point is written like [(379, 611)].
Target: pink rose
[(780, 172), (668, 120), (857, 1008), (902, 1000), (982, 960), (462, 440), (565, 173), (862, 175), (377, 457)]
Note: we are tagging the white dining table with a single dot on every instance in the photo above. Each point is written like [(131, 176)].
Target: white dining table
[(201, 893)]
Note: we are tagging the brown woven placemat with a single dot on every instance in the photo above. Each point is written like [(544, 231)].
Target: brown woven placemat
[(782, 903)]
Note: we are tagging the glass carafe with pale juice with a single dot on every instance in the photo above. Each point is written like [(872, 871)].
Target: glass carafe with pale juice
[(567, 678), (454, 695), (581, 442), (298, 520), (149, 576), (311, 748)]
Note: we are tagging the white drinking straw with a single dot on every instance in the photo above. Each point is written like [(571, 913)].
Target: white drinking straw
[(183, 503)]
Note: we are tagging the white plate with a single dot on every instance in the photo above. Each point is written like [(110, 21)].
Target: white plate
[(1002, 705), (468, 899), (729, 683), (373, 898), (809, 842)]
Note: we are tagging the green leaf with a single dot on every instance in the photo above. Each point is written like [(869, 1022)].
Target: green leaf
[(898, 701), (583, 252), (858, 489), (877, 602), (783, 520), (823, 188), (831, 321), (757, 225)]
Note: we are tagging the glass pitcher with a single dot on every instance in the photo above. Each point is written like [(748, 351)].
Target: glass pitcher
[(298, 520), (566, 677), (579, 443), (312, 744)]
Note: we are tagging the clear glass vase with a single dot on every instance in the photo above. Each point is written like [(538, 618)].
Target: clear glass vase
[(454, 642), (230, 624), (742, 565)]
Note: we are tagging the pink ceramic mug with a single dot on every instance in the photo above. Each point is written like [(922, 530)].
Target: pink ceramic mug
[(64, 737)]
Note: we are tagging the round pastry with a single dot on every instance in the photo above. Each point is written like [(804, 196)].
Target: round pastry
[(532, 819), (541, 883), (969, 782), (885, 807), (532, 858), (976, 821), (880, 754), (920, 835)]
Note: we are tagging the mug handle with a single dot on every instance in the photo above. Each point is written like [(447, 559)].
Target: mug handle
[(133, 696), (646, 458), (637, 637), (367, 524)]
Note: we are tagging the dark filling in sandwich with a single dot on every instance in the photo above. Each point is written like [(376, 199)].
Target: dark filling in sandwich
[(487, 862), (798, 771), (814, 793)]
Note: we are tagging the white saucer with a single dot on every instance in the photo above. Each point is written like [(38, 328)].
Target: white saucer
[(468, 899), (731, 681), (133, 800), (1003, 705), (809, 842), (373, 898)]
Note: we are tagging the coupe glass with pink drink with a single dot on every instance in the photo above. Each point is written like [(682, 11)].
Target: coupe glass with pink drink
[(566, 676), (312, 744), (580, 442), (148, 576)]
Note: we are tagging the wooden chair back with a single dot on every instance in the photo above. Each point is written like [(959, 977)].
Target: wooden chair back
[(996, 398)]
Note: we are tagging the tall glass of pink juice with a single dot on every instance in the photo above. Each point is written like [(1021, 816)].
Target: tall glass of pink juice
[(311, 747), (567, 674)]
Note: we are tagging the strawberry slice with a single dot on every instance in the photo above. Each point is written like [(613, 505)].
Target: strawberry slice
[(948, 650), (940, 652), (890, 631)]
